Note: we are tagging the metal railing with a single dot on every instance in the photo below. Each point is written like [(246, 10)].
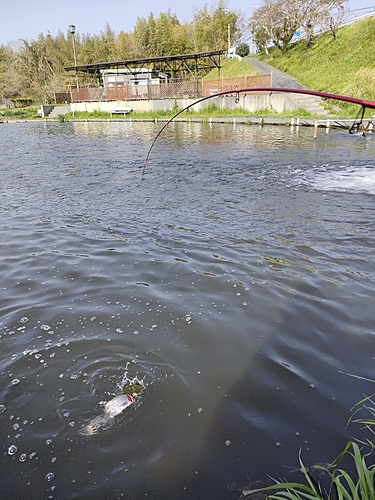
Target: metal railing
[(193, 89)]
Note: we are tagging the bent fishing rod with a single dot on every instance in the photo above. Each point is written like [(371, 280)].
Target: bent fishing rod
[(365, 104)]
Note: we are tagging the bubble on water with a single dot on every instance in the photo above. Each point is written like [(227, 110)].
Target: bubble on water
[(48, 441), (200, 410), (12, 449), (24, 319), (16, 426), (45, 328), (50, 476), (136, 332), (53, 459), (2, 408), (32, 455), (93, 318), (228, 443), (15, 381), (23, 457)]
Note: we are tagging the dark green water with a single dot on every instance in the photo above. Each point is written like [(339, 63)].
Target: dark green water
[(237, 281)]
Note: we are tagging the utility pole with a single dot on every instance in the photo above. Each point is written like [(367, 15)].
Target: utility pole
[(228, 38), (72, 30)]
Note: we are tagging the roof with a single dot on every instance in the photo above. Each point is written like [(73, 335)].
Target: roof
[(175, 62)]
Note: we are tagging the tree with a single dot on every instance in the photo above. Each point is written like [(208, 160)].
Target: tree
[(151, 36), (140, 38), (124, 46), (181, 40), (210, 27), (243, 50), (276, 21), (107, 42), (338, 9), (163, 37)]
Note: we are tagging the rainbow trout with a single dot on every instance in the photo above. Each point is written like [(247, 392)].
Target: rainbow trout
[(106, 419)]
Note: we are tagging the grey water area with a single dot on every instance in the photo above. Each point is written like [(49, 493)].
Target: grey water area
[(237, 282)]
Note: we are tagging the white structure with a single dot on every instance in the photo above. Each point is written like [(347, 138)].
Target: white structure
[(135, 77)]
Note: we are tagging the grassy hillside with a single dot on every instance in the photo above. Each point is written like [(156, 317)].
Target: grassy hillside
[(342, 66), (231, 68)]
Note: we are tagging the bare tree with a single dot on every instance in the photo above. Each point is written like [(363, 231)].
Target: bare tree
[(338, 10), (276, 21)]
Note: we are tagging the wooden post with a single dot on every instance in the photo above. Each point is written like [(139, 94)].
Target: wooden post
[(315, 129)]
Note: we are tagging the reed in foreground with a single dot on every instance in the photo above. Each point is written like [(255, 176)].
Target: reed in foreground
[(360, 485)]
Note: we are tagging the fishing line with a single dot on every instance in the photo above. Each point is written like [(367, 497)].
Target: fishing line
[(362, 102)]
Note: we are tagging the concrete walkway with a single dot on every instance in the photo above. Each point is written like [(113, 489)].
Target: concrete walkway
[(279, 79), (282, 80)]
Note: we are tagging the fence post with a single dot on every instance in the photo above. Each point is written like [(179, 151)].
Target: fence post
[(315, 129)]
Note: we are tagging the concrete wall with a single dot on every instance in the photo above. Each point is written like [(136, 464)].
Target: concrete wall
[(251, 103), (46, 110)]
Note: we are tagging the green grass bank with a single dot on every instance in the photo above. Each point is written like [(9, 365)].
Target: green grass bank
[(344, 65)]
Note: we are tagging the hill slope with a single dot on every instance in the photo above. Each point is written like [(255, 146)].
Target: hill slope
[(342, 66), (231, 68)]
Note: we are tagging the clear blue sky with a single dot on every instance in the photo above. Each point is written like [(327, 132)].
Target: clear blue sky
[(27, 18)]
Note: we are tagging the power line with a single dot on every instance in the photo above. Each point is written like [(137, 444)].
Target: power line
[(363, 8)]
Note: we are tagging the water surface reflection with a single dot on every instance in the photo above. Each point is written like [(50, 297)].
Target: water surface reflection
[(236, 281)]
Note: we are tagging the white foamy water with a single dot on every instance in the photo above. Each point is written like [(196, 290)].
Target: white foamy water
[(350, 179)]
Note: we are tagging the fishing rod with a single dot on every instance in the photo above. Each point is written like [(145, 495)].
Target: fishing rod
[(353, 100)]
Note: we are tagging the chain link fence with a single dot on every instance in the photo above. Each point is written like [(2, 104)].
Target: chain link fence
[(168, 90)]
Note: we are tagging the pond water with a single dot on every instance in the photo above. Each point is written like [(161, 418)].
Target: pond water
[(236, 283)]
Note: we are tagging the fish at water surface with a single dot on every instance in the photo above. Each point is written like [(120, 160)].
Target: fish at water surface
[(106, 419)]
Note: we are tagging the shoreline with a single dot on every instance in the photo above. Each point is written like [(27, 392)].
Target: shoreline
[(237, 120)]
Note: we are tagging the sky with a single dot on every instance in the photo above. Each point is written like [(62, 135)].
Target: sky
[(26, 19)]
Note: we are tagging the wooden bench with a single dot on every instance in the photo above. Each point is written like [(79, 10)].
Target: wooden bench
[(120, 111)]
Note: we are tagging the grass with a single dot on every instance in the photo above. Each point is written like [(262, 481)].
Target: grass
[(359, 485), (30, 112), (340, 486), (344, 65), (209, 111), (232, 68)]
